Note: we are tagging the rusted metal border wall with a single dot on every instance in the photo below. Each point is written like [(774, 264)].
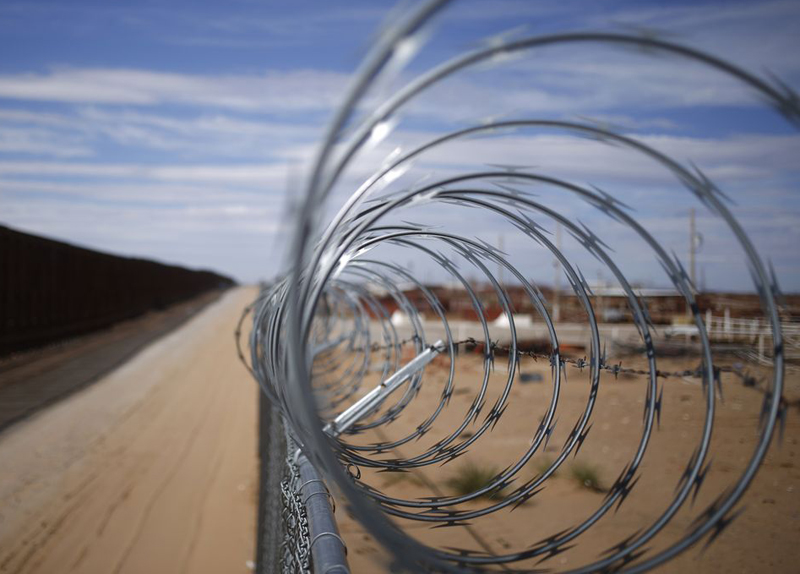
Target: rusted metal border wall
[(53, 290)]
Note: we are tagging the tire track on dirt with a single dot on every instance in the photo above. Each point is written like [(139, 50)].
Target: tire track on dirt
[(150, 469)]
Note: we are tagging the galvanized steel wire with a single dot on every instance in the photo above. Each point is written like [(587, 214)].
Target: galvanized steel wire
[(319, 332)]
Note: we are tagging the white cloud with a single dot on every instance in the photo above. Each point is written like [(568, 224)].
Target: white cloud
[(36, 118), (753, 34), (293, 91), (252, 174), (724, 159), (150, 192), (204, 135), (38, 141), (228, 237)]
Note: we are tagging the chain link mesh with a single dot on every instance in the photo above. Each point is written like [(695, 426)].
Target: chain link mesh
[(295, 547), (284, 541)]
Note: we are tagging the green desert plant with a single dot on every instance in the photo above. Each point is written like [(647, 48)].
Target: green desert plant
[(393, 478), (471, 477), (543, 464), (587, 476)]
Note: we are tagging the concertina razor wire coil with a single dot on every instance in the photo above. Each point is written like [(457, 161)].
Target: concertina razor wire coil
[(325, 330)]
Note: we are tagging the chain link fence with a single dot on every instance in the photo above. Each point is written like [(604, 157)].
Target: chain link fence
[(291, 492), (272, 451), (295, 546)]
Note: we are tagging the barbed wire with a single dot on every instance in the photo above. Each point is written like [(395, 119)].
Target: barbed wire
[(471, 344)]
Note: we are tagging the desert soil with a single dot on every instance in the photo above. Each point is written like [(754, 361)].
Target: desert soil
[(34, 379), (763, 539), (151, 469)]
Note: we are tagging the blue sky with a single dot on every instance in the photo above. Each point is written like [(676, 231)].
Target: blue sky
[(178, 130)]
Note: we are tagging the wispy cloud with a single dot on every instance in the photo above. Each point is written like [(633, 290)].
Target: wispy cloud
[(300, 90), (254, 174), (726, 160), (38, 141)]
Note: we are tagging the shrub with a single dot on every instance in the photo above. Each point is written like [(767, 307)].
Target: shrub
[(587, 476), (471, 477)]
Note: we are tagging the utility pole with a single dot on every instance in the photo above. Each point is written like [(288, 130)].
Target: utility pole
[(501, 247), (557, 278), (692, 245), (695, 246)]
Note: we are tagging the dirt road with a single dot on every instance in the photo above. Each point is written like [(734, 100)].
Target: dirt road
[(33, 380), (152, 469), (763, 539)]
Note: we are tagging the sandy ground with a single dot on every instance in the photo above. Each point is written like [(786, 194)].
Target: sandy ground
[(34, 379), (152, 469), (763, 539)]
